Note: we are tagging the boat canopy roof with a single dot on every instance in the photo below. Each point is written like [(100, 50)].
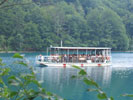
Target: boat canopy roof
[(81, 48)]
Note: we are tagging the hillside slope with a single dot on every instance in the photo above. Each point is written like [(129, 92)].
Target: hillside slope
[(41, 23)]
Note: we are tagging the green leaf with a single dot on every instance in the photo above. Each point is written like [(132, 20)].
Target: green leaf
[(90, 82), (102, 96), (1, 64), (31, 94), (12, 77), (4, 71), (21, 95), (6, 92), (76, 67), (73, 76), (13, 80), (21, 63), (127, 95), (36, 82), (14, 83), (27, 77), (82, 72), (42, 90), (49, 98), (95, 84), (1, 81), (56, 98), (49, 94), (111, 98), (17, 55), (0, 60), (13, 93)]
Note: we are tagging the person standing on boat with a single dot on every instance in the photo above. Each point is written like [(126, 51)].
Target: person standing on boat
[(40, 58), (65, 58)]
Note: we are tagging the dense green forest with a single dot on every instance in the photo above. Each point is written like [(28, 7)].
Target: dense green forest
[(32, 25)]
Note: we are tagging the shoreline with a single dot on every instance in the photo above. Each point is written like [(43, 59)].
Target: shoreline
[(20, 51), (45, 51), (123, 51)]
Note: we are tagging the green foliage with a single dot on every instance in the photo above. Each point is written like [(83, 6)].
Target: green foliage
[(77, 67), (102, 96), (93, 86), (18, 87), (107, 29), (90, 82), (82, 72), (40, 23), (1, 64), (17, 55)]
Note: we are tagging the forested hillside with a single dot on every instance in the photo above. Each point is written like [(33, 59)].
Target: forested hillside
[(31, 25)]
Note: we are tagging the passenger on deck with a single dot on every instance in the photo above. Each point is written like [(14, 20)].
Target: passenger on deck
[(40, 57), (65, 58)]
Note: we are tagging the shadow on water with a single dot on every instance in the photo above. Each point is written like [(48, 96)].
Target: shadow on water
[(41, 66)]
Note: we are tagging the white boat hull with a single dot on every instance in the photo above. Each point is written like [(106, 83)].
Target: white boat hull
[(70, 64)]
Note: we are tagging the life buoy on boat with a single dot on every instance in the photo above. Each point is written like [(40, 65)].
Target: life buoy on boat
[(82, 65), (99, 65), (64, 65)]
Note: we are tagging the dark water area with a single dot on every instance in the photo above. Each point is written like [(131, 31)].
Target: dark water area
[(114, 80)]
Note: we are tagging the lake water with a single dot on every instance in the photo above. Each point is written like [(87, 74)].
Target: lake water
[(114, 80)]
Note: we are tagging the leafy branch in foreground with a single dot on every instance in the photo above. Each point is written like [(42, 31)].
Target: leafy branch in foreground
[(95, 87), (89, 81), (19, 87)]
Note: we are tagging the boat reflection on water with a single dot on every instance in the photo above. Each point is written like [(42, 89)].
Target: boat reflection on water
[(58, 75), (102, 75)]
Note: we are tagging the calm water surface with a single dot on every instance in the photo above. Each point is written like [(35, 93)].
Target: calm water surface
[(114, 80)]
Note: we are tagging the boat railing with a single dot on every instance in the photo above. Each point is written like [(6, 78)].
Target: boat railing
[(74, 59)]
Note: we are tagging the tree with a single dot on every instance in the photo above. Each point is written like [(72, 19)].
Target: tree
[(32, 40), (106, 27), (2, 42), (76, 22), (16, 42)]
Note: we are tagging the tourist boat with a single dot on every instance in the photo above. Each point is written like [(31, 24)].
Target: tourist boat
[(79, 56)]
